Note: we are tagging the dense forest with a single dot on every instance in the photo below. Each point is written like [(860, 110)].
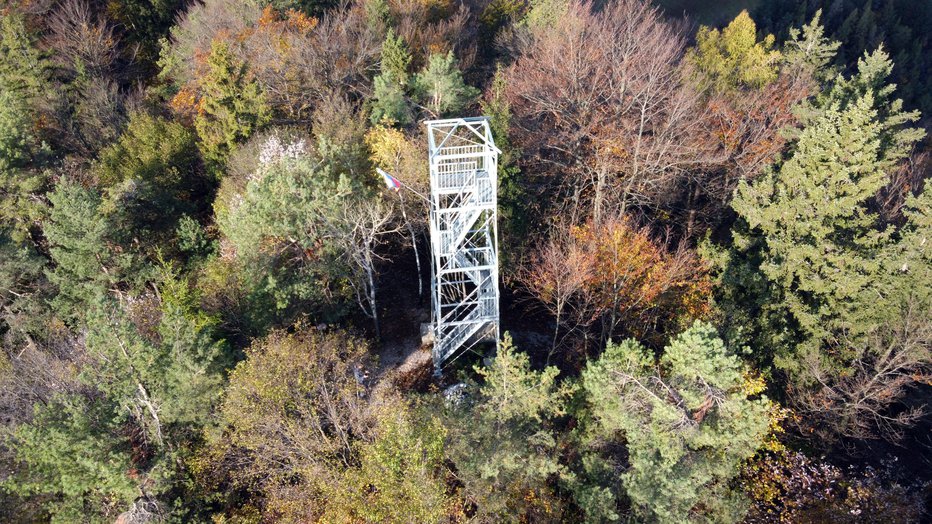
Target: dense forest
[(715, 242)]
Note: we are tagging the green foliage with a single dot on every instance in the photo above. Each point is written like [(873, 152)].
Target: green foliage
[(152, 150), (500, 13), (397, 478), (281, 229), (169, 380), (24, 292), (504, 441), (23, 70), (192, 239), (395, 59), (20, 182), (543, 15), (23, 80), (389, 103), (511, 194), (149, 19), (310, 7), (687, 421), (87, 266), (733, 58), (74, 457), (810, 49), (902, 26), (378, 15), (807, 227), (440, 86), (896, 136), (153, 175), (232, 105)]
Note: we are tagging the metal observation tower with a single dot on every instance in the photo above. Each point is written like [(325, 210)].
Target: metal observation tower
[(463, 235)]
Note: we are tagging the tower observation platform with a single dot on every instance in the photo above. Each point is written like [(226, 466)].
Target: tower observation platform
[(463, 235)]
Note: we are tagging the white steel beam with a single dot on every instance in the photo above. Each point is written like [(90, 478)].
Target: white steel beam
[(463, 223)]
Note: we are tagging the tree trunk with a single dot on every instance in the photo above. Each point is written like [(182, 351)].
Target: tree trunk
[(372, 303), (417, 257)]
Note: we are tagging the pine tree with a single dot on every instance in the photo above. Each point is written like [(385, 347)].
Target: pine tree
[(232, 106), (503, 438), (23, 69), (440, 86), (282, 228), (21, 174), (74, 456), (688, 422), (168, 383)]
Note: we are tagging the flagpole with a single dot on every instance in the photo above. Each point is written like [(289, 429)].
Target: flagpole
[(404, 214), (384, 174)]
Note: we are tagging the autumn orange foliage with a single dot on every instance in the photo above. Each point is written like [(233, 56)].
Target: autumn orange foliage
[(613, 278), (638, 285)]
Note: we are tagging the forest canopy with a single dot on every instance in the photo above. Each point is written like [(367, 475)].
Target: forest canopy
[(715, 244)]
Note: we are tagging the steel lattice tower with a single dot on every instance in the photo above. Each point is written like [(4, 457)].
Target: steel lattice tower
[(463, 235)]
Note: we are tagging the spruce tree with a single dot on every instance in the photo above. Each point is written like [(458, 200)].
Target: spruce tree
[(820, 240), (75, 456), (810, 49), (23, 80), (232, 105), (896, 136), (389, 102), (808, 246)]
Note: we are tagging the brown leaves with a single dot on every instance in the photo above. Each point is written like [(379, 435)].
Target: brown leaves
[(614, 274), (605, 109)]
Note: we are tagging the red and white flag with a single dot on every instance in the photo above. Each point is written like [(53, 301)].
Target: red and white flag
[(390, 181)]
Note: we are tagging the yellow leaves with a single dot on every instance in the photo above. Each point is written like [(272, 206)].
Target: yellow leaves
[(753, 384), (185, 103), (387, 145), (733, 57)]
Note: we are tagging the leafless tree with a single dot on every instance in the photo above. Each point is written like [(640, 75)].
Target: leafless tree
[(36, 371), (436, 29), (362, 231), (886, 365), (197, 27), (83, 40), (557, 274), (301, 61), (603, 103)]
